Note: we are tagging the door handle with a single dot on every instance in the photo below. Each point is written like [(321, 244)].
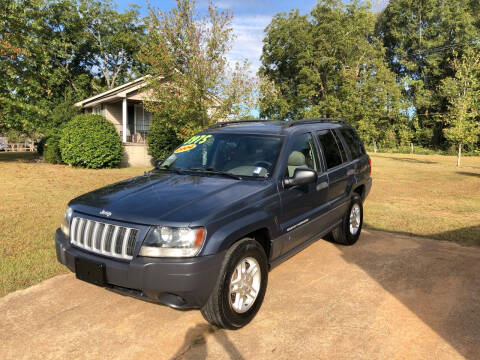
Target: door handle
[(322, 185), (350, 172)]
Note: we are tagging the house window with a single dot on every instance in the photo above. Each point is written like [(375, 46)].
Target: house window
[(98, 110), (143, 119)]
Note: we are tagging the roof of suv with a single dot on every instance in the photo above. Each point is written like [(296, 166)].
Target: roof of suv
[(276, 127)]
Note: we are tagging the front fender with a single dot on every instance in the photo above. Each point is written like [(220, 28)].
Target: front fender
[(226, 235)]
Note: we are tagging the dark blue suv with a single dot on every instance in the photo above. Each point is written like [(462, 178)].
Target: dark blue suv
[(204, 227)]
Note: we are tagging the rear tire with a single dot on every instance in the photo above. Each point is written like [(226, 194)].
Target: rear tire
[(222, 308), (348, 232)]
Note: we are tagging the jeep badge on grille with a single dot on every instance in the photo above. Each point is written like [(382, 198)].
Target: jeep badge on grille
[(105, 212)]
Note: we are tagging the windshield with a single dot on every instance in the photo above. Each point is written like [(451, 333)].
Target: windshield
[(235, 154)]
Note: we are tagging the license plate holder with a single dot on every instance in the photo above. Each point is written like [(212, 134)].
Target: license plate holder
[(90, 271)]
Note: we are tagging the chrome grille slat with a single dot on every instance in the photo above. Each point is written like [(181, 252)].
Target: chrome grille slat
[(74, 229), (117, 249), (83, 223), (108, 239), (93, 238), (102, 238), (114, 239), (131, 242), (86, 230), (125, 242), (98, 239)]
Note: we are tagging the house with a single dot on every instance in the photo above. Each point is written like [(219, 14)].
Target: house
[(123, 106)]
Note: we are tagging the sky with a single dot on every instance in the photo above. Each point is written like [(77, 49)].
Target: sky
[(250, 17)]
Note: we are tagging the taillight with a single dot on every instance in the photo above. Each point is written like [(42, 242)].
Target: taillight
[(369, 166)]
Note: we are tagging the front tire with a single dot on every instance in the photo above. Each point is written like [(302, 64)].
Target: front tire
[(240, 288), (348, 232)]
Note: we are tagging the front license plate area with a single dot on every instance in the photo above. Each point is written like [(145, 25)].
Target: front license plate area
[(90, 271)]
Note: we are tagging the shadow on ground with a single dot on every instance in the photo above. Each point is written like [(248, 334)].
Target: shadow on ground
[(465, 173), (195, 343), (468, 236), (18, 156), (412, 160), (439, 284)]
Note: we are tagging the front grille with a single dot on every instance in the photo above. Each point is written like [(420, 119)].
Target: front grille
[(101, 238)]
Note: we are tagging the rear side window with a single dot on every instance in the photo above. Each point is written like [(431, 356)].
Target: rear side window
[(340, 146), (332, 153), (353, 142)]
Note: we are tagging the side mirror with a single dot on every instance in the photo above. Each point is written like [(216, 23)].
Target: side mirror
[(301, 177)]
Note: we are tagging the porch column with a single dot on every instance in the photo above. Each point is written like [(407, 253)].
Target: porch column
[(124, 120)]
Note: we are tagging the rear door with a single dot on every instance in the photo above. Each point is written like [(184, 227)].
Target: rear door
[(358, 155), (339, 170)]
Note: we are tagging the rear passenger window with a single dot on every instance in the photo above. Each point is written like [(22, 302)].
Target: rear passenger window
[(353, 142), (340, 146), (331, 150)]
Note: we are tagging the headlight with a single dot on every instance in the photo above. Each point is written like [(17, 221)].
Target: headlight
[(163, 241), (65, 227)]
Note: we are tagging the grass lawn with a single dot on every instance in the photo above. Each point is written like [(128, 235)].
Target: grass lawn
[(424, 195)]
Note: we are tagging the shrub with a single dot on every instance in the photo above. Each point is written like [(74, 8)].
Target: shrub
[(91, 141), (51, 150), (161, 140)]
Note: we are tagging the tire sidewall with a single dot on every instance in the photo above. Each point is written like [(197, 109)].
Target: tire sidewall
[(248, 248), (352, 239)]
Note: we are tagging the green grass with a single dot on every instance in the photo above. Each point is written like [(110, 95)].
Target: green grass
[(32, 203), (425, 195)]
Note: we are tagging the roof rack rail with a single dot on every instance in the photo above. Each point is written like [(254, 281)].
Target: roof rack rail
[(314, 121), (226, 123)]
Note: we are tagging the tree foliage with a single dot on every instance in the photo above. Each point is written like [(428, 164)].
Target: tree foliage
[(91, 141), (463, 94), (311, 75), (420, 38), (49, 60), (114, 41), (192, 83)]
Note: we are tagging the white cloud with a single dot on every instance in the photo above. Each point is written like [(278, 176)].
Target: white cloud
[(248, 42)]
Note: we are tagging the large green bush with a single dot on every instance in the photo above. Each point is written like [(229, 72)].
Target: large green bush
[(51, 150), (161, 140), (91, 141)]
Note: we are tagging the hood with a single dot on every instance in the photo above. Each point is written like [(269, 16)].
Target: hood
[(166, 198)]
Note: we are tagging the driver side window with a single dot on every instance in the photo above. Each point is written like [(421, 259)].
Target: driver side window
[(302, 154)]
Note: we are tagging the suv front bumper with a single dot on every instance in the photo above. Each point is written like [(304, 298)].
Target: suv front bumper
[(182, 283)]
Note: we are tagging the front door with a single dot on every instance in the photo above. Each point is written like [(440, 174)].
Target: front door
[(131, 120), (303, 206)]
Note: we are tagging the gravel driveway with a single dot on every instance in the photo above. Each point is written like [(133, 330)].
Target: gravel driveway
[(388, 297)]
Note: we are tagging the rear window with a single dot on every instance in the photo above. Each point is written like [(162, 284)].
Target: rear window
[(331, 150), (353, 142)]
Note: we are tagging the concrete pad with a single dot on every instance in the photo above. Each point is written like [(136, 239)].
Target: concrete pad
[(387, 297)]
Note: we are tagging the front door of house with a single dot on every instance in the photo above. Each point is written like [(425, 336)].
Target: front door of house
[(131, 119)]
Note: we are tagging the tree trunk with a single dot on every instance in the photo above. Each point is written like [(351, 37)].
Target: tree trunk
[(374, 146), (459, 154), (411, 147)]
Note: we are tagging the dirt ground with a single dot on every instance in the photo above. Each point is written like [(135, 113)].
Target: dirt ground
[(388, 297)]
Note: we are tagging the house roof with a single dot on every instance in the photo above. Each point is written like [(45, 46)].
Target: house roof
[(118, 92)]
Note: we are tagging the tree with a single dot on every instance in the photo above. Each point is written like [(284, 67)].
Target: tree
[(48, 60), (463, 94), (115, 39), (420, 36), (192, 84), (309, 75)]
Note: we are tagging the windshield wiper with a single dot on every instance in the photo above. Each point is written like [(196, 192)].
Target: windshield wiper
[(168, 168), (216, 172)]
